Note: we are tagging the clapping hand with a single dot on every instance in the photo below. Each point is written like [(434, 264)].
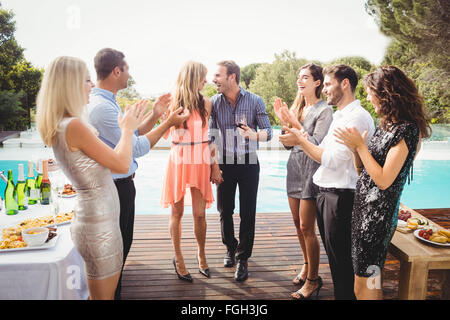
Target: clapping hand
[(278, 106), (133, 116), (350, 137), (178, 116), (291, 118), (162, 105), (293, 137)]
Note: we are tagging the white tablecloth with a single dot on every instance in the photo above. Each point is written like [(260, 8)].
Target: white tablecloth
[(47, 274)]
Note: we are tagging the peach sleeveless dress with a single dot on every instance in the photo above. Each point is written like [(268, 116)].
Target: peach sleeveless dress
[(189, 163)]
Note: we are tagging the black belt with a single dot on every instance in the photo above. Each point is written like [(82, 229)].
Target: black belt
[(130, 178), (335, 190), (189, 143)]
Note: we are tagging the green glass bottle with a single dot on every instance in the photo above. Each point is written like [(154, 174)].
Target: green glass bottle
[(22, 198), (11, 206), (45, 185), (32, 192), (39, 177)]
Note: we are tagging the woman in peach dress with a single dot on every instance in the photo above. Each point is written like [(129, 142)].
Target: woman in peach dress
[(191, 167)]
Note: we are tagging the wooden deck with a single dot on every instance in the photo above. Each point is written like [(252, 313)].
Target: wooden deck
[(276, 258)]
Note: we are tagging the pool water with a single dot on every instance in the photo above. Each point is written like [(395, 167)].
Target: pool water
[(428, 189)]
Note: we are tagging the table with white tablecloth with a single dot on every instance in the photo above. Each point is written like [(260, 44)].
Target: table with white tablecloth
[(47, 274)]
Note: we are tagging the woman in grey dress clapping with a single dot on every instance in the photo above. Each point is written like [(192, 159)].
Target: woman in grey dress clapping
[(88, 163), (313, 116)]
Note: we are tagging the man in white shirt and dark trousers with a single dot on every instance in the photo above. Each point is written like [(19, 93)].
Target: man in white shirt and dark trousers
[(337, 176)]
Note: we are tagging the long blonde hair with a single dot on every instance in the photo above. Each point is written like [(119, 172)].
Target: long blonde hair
[(61, 95), (187, 90)]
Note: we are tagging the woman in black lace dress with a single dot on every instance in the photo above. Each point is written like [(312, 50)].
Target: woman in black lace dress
[(384, 165)]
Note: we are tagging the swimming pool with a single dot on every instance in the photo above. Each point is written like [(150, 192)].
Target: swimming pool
[(428, 189)]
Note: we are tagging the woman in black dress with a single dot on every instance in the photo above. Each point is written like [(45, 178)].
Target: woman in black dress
[(384, 166)]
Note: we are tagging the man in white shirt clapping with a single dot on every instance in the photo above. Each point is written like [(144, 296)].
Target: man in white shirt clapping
[(337, 176)]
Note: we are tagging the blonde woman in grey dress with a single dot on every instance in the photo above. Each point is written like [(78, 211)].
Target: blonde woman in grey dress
[(88, 163), (312, 115)]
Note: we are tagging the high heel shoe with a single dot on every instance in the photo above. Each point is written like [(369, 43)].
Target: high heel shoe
[(316, 290), (300, 282), (186, 277), (204, 272)]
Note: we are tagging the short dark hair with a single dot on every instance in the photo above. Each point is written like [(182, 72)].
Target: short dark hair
[(341, 72), (106, 60), (232, 67)]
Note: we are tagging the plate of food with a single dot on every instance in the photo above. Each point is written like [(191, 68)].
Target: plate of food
[(46, 221), (418, 223), (440, 237), (25, 239), (68, 192)]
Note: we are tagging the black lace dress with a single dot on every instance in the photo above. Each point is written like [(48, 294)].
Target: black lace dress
[(374, 216)]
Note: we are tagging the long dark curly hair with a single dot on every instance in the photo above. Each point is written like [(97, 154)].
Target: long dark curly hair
[(399, 99)]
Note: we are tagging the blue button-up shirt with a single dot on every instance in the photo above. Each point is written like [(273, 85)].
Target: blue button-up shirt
[(103, 113), (224, 117)]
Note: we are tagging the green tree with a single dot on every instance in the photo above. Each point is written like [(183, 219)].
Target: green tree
[(17, 77), (277, 79), (130, 91), (248, 73), (10, 52), (420, 31), (209, 90), (13, 116), (26, 79), (422, 24)]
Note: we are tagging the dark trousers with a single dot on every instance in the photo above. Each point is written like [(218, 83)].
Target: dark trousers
[(334, 215), (246, 176), (127, 195)]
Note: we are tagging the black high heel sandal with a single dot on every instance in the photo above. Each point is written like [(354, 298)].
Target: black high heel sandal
[(204, 272), (300, 282), (317, 290), (186, 277)]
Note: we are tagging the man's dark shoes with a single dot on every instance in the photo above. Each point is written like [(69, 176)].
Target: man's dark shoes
[(229, 260), (241, 271)]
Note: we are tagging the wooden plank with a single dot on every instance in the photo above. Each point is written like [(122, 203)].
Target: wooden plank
[(276, 259)]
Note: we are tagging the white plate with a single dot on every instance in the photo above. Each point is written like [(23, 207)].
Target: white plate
[(59, 223), (416, 234), (47, 245), (67, 195)]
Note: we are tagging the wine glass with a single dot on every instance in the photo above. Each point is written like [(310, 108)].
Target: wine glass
[(240, 120)]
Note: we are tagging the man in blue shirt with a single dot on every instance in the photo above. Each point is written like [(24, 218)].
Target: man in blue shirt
[(112, 76), (235, 118)]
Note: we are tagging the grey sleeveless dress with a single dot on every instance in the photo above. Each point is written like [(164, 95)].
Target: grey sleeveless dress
[(300, 167), (95, 227)]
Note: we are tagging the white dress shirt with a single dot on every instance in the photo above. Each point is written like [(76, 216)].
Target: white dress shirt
[(337, 169)]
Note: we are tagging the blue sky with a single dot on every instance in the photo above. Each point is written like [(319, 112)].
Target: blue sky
[(158, 36)]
